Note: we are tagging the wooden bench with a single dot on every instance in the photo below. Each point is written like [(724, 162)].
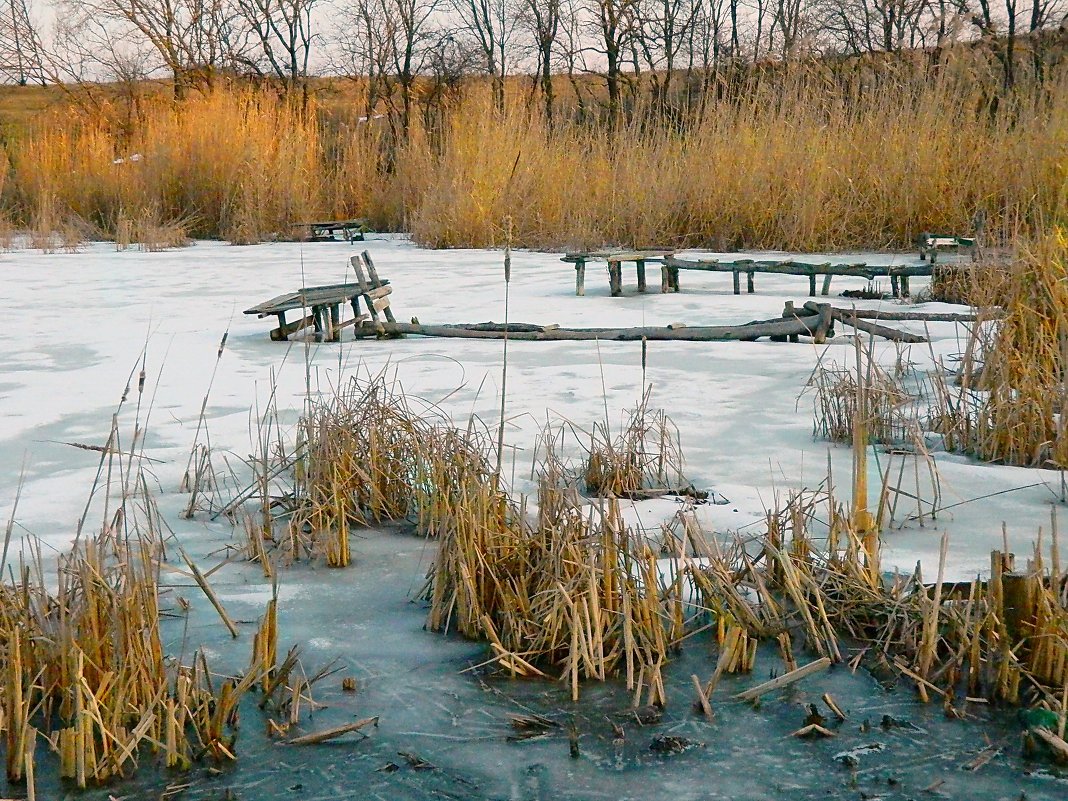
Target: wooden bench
[(669, 278), (325, 302), (336, 230)]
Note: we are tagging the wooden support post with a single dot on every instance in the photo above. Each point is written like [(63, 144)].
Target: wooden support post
[(812, 285), (283, 336), (904, 286), (615, 278), (335, 322), (674, 272), (749, 287), (640, 265), (372, 273), (580, 277), (788, 313), (824, 327), (737, 282), (665, 280), (317, 317), (894, 287), (826, 285)]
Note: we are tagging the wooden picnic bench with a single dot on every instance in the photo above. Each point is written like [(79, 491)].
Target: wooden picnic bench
[(335, 230), (325, 302)]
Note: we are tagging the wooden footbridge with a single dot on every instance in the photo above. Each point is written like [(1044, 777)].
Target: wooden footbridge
[(899, 273)]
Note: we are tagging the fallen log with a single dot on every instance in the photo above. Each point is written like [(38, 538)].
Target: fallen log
[(806, 325), (848, 318), (907, 316)]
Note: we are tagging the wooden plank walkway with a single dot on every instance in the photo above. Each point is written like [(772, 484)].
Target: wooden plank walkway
[(671, 265), (898, 274)]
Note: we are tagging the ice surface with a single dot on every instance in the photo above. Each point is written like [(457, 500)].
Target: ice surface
[(747, 435), (77, 328)]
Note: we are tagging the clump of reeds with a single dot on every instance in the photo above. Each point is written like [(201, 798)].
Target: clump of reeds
[(835, 406), (1006, 401), (149, 231), (571, 592), (643, 457)]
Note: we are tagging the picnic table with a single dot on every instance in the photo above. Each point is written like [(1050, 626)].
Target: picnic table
[(336, 230)]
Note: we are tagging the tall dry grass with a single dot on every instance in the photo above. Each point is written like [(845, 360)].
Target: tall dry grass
[(240, 166), (811, 159)]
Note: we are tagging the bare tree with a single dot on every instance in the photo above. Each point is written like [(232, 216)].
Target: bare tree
[(614, 25), (283, 31), (665, 33), (490, 24), (191, 39), (542, 19)]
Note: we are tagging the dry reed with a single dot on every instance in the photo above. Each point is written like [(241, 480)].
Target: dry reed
[(819, 158)]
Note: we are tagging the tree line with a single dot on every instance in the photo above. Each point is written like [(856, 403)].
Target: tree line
[(400, 50)]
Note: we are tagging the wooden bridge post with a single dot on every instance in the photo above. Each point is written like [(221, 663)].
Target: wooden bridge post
[(665, 280), (904, 286), (282, 335), (674, 274), (894, 290), (640, 265), (615, 278), (749, 287), (826, 285), (335, 322), (737, 283), (812, 284), (580, 277)]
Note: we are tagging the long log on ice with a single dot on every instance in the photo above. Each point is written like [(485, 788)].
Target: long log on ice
[(913, 316), (806, 325)]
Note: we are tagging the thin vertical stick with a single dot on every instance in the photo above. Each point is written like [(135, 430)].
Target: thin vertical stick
[(504, 364)]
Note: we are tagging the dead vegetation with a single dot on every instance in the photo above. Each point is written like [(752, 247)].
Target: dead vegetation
[(559, 586), (245, 165)]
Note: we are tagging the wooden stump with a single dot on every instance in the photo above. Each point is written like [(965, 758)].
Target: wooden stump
[(580, 277)]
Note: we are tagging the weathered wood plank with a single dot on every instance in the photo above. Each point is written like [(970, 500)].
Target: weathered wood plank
[(803, 325)]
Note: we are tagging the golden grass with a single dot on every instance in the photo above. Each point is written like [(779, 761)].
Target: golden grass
[(812, 159)]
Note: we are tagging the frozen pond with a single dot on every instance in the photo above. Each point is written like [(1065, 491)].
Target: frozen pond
[(87, 319)]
